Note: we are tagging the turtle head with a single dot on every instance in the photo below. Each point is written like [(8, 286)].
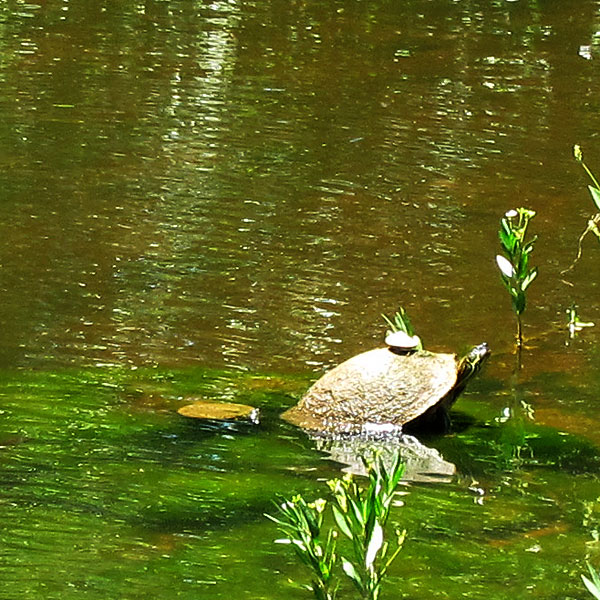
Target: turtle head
[(471, 362)]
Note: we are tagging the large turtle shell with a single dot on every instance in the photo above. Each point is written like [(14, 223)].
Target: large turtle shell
[(375, 388)]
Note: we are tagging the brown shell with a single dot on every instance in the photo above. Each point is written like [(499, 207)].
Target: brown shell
[(221, 411), (378, 386)]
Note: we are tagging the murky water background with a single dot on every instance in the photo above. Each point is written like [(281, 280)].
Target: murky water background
[(220, 199)]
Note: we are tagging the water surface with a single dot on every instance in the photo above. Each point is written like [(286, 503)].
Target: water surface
[(219, 200)]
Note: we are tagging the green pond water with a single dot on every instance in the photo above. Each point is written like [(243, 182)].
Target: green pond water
[(218, 200)]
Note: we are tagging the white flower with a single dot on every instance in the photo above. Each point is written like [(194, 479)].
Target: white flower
[(511, 213), (319, 505), (505, 266)]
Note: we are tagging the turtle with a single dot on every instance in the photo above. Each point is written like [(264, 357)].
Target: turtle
[(374, 401), (220, 411), (398, 386)]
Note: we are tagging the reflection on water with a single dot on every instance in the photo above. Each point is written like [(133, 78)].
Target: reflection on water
[(249, 185), (422, 464), (183, 183)]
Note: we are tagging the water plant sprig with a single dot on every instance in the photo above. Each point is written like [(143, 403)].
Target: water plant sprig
[(595, 187), (302, 523), (514, 264), (593, 224), (361, 516), (593, 584), (574, 323)]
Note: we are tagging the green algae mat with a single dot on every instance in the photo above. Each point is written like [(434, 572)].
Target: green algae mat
[(107, 492)]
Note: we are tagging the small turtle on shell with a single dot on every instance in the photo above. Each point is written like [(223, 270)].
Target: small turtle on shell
[(401, 342), (401, 385)]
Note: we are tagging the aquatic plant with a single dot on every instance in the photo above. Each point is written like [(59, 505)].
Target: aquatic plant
[(593, 224), (514, 264), (574, 323), (595, 188), (302, 522), (360, 515), (593, 584)]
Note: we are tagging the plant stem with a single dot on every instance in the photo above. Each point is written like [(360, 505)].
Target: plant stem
[(590, 174), (519, 331), (519, 347)]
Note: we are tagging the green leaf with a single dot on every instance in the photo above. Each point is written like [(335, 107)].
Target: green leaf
[(595, 575), (375, 544), (522, 265), (356, 511), (530, 277), (312, 520), (400, 322), (272, 518), (529, 246), (592, 587), (349, 569), (519, 303), (340, 520), (397, 472), (507, 239), (595, 192)]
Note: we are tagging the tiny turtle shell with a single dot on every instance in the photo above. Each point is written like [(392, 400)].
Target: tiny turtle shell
[(219, 411), (402, 341)]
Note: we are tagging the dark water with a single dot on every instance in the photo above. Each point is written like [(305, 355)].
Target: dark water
[(219, 200)]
